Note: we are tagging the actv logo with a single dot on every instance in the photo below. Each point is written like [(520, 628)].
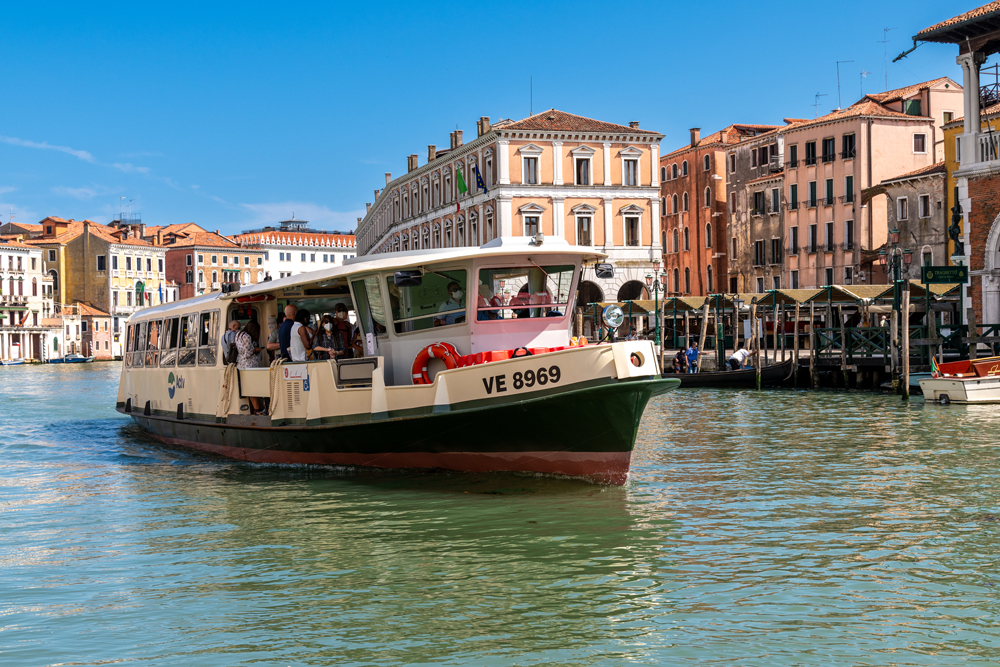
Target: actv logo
[(173, 384)]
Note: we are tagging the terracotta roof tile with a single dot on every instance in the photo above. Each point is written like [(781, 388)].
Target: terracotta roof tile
[(936, 168), (905, 91), (296, 238), (560, 120), (89, 311), (862, 108), (76, 228), (734, 134), (983, 114), (969, 16), (769, 177), (202, 238)]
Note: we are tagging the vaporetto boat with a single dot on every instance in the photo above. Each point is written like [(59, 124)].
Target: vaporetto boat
[(488, 380)]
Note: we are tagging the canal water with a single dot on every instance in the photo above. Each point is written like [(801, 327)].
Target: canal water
[(774, 528)]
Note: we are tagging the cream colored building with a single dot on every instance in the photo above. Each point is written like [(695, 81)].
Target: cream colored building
[(584, 180), (25, 301)]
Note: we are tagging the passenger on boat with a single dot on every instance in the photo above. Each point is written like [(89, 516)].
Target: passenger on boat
[(452, 307), (300, 344), (229, 338), (485, 301), (344, 331), (738, 358), (249, 353), (285, 331), (632, 335), (273, 346)]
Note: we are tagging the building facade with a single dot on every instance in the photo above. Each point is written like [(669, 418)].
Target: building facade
[(915, 206), (96, 335), (199, 261), (25, 301), (693, 211), (797, 219), (587, 181), (975, 183), (294, 248)]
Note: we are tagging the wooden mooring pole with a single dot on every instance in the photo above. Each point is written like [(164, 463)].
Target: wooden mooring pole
[(813, 377), (893, 337), (704, 330), (906, 341), (795, 346)]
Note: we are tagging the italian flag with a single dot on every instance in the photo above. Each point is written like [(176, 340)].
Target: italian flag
[(462, 188)]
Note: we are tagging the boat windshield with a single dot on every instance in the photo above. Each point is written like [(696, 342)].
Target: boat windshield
[(524, 292), (439, 301)]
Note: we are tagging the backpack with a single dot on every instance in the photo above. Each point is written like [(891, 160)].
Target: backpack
[(233, 353)]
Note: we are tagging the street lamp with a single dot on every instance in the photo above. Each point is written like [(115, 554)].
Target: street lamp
[(655, 284), (892, 260)]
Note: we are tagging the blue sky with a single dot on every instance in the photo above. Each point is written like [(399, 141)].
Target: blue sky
[(236, 115)]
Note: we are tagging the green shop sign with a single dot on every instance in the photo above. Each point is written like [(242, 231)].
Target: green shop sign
[(944, 274)]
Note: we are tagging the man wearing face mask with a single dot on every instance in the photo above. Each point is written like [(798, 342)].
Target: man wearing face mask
[(453, 308)]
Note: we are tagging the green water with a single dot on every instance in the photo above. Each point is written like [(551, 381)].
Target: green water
[(774, 528)]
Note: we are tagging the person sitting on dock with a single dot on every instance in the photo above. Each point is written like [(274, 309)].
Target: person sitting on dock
[(739, 358), (680, 362), (692, 356)]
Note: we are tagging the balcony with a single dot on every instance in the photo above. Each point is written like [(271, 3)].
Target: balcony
[(848, 154), (793, 164), (810, 161), (848, 199), (130, 274), (849, 245), (812, 249), (216, 287), (828, 247), (812, 203), (756, 212), (201, 284), (794, 250), (792, 205), (829, 157), (774, 165), (828, 201)]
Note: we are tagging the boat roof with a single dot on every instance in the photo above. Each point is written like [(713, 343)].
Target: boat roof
[(366, 264)]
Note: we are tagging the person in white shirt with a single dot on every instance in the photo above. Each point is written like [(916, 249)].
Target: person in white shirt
[(301, 342), (453, 312), (738, 358)]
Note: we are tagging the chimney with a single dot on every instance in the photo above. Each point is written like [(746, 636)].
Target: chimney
[(376, 193), (634, 124), (368, 207), (431, 152), (411, 162), (359, 221), (458, 138), (159, 237), (483, 125), (723, 137), (388, 177), (217, 232), (695, 135)]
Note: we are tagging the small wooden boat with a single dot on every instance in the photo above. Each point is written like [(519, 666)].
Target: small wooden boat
[(72, 359), (967, 381), (11, 362), (771, 375)]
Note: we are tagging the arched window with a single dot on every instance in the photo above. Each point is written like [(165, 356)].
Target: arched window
[(676, 244), (687, 238), (708, 235), (673, 170), (677, 281), (663, 173), (260, 276), (34, 287), (246, 277), (55, 280), (215, 276), (663, 235), (708, 163), (685, 200), (201, 276), (687, 281), (673, 201), (711, 288), (684, 168), (708, 197)]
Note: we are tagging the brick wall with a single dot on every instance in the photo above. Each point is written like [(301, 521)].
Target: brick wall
[(984, 192)]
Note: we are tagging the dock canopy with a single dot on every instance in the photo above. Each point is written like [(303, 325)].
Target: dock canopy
[(847, 293)]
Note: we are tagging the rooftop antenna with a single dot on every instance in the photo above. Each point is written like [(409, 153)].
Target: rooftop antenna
[(885, 56), (120, 207), (839, 106), (531, 96), (864, 73), (816, 104)]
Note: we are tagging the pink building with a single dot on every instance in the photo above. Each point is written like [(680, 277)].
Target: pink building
[(796, 215)]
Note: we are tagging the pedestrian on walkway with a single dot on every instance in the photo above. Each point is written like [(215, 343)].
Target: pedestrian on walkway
[(692, 357)]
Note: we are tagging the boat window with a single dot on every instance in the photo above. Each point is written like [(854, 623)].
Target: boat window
[(520, 292), (153, 342), (129, 345), (168, 356), (140, 345), (208, 341), (439, 301), (188, 339), (370, 310)]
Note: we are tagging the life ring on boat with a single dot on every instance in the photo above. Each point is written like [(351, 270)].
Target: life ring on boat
[(446, 352)]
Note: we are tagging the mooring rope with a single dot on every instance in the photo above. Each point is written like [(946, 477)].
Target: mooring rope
[(273, 379), (226, 391)]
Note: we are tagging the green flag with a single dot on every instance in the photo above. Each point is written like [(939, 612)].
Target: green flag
[(462, 188)]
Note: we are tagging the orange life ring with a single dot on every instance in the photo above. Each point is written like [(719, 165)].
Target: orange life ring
[(446, 352)]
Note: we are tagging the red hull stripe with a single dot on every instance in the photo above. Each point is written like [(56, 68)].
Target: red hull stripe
[(603, 467)]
